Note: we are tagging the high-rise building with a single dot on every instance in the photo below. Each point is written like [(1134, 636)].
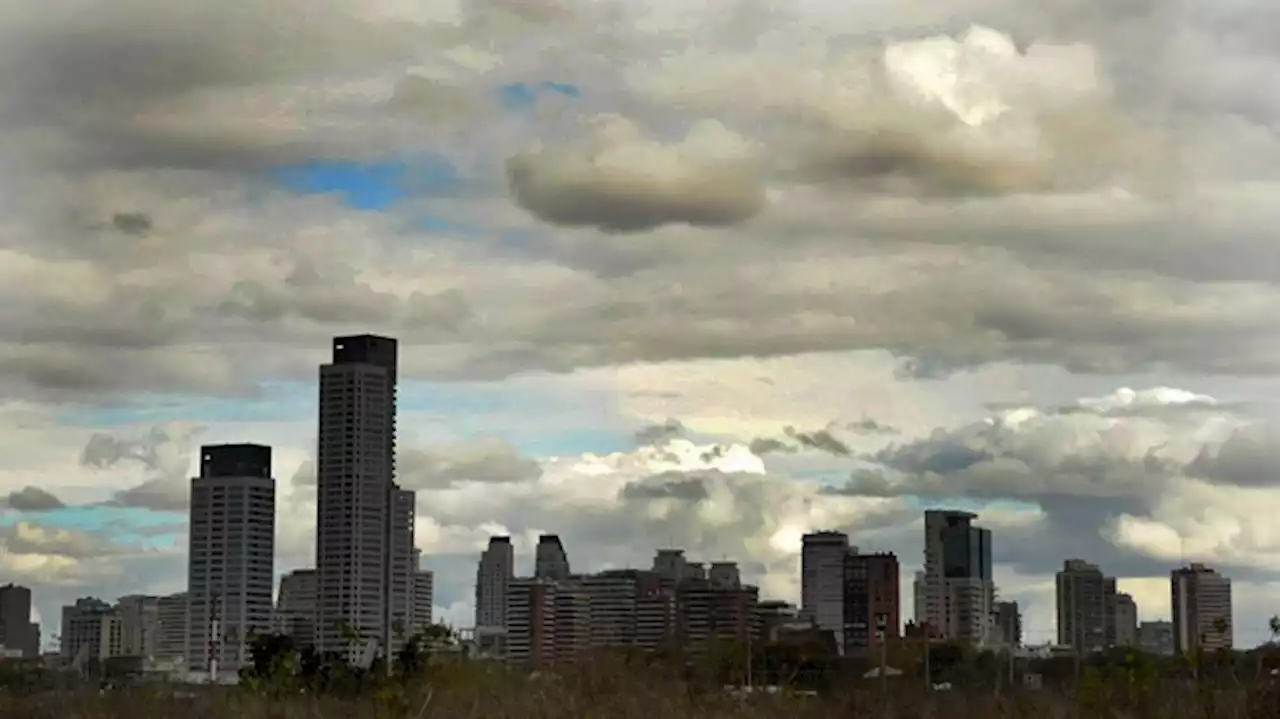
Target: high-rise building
[(139, 616), (1202, 611), (17, 632), (493, 579), (1085, 601), (295, 613), (871, 607), (706, 613), (822, 560), (172, 629), (550, 559), (364, 521), (920, 593), (531, 621), (424, 581), (959, 591), (1009, 624), (1125, 620), (230, 566), (90, 626)]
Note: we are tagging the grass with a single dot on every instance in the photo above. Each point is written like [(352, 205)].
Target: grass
[(600, 691)]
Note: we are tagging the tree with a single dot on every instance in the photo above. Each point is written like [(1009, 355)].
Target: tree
[(1274, 626)]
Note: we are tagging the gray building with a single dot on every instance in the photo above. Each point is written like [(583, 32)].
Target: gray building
[(17, 631), (1086, 603), (1156, 638), (1202, 611), (139, 615), (364, 521), (295, 613), (172, 629), (550, 561), (230, 571), (1009, 623), (494, 574), (1126, 620), (822, 560), (959, 589)]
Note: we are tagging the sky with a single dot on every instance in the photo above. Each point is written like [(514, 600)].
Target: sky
[(664, 274)]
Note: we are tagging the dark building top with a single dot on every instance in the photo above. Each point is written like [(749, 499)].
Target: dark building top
[(235, 460), (366, 349), (966, 553)]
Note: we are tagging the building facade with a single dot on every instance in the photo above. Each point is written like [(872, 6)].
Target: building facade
[(172, 629), (1085, 603), (424, 581), (90, 631), (872, 613), (1202, 611), (494, 575), (1156, 638), (139, 619), (822, 563), (959, 592), (550, 560), (364, 521), (295, 613), (231, 559), (1009, 624), (1126, 620), (17, 631)]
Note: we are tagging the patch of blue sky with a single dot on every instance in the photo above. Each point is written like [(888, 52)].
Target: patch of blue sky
[(277, 403), (522, 95), (372, 186), (126, 525)]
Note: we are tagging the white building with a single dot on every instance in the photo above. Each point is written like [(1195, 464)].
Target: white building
[(230, 572), (959, 594), (364, 521), (493, 577), (822, 581)]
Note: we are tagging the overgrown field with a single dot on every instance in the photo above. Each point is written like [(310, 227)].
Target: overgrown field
[(611, 693)]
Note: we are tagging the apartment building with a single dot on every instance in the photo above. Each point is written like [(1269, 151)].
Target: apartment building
[(822, 564), (1202, 609), (90, 628), (230, 567), (494, 574), (871, 608), (172, 629), (959, 594), (550, 559), (1085, 606), (295, 612), (139, 620), (1125, 618), (707, 613)]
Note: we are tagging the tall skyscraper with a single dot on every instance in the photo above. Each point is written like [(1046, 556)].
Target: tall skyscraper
[(364, 521), (550, 559), (493, 579), (1083, 599), (959, 591), (16, 629), (822, 560), (230, 567), (1202, 611)]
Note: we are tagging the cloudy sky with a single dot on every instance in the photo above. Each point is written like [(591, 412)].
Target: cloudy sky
[(664, 273)]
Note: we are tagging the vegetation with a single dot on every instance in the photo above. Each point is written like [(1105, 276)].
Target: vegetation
[(430, 678)]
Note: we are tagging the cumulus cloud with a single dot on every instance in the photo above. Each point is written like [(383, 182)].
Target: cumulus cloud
[(620, 181), (164, 453)]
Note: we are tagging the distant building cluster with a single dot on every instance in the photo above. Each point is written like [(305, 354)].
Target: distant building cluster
[(368, 590)]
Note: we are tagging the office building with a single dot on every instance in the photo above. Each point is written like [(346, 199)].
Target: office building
[(550, 559), (295, 613), (139, 618), (531, 621), (822, 561), (172, 629), (1085, 602), (1008, 624), (364, 521), (90, 630), (494, 574), (1125, 618), (919, 592), (230, 567), (706, 613), (1156, 638), (1202, 612), (959, 594), (17, 631), (871, 608), (424, 581), (725, 574)]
